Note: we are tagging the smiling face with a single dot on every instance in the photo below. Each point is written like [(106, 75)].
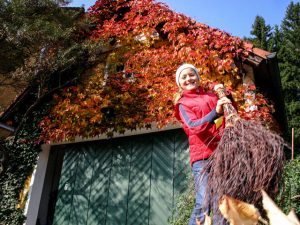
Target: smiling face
[(188, 79)]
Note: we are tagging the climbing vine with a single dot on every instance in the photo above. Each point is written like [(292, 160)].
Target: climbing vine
[(21, 156), (134, 85)]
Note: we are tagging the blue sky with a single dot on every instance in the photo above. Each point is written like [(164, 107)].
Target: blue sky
[(234, 16)]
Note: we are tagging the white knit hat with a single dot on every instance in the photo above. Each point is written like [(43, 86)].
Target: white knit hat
[(183, 67)]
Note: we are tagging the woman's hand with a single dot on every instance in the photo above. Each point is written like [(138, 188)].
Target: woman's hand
[(220, 103)]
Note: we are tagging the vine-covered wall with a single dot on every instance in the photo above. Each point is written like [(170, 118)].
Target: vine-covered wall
[(21, 156)]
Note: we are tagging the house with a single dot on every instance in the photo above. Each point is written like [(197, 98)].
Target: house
[(134, 177), (130, 178)]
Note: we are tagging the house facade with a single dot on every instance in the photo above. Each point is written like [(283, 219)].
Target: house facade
[(133, 178)]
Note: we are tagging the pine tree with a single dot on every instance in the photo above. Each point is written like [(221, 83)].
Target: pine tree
[(26, 26), (261, 33), (289, 64), (275, 41)]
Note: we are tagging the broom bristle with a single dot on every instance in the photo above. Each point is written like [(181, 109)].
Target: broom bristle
[(249, 158)]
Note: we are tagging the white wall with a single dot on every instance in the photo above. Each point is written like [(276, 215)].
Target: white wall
[(37, 187)]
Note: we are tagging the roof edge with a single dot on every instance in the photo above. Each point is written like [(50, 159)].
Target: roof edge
[(257, 51), (6, 127)]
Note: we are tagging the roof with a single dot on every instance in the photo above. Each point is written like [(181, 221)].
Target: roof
[(257, 55), (256, 51)]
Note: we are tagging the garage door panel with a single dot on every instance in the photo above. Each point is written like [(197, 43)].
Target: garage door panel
[(123, 181), (99, 183), (64, 205), (82, 186), (181, 164), (119, 180), (162, 179), (139, 181)]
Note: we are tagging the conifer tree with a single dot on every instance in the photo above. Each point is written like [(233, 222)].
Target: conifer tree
[(275, 40), (289, 64), (27, 26), (261, 32)]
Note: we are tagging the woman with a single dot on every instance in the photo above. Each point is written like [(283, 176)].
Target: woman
[(197, 111)]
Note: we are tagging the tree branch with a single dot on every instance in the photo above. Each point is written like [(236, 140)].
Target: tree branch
[(36, 103)]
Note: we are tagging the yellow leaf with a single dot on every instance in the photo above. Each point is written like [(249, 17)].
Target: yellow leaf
[(275, 215), (238, 212), (292, 216), (207, 220)]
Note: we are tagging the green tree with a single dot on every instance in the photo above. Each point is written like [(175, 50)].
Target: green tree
[(27, 27), (275, 40), (289, 64), (41, 42), (261, 33)]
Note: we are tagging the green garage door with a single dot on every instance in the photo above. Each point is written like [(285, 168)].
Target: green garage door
[(122, 181)]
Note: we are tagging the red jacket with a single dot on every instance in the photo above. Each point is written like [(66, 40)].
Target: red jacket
[(196, 110)]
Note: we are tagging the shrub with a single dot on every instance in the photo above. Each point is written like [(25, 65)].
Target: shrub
[(289, 196)]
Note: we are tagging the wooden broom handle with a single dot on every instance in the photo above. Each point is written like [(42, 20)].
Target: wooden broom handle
[(230, 112)]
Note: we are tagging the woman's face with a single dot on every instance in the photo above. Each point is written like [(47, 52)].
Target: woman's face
[(188, 79)]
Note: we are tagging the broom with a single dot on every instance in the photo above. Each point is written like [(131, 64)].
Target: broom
[(249, 158)]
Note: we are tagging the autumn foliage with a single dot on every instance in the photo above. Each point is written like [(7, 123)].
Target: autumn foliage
[(134, 86)]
